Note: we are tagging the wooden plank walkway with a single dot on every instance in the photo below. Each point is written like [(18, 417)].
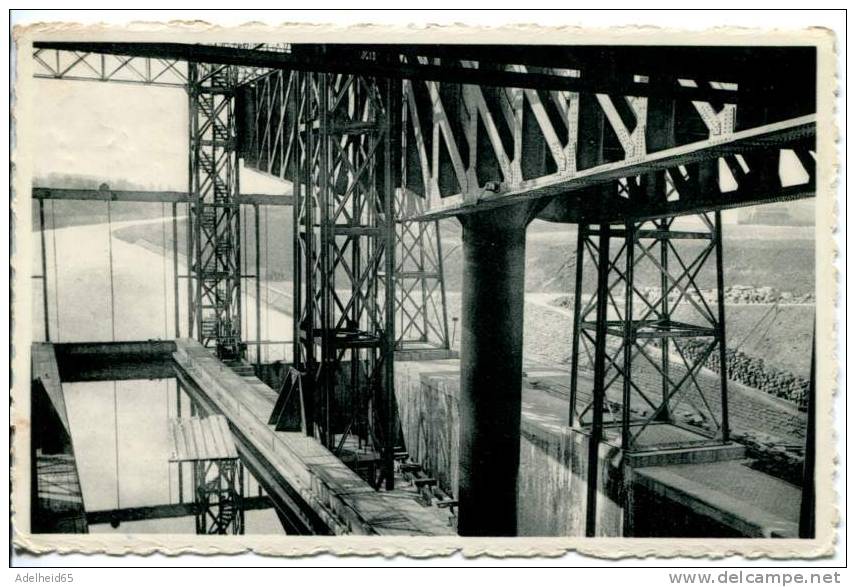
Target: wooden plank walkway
[(201, 439), (337, 495)]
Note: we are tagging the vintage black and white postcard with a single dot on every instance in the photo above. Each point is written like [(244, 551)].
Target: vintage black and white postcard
[(419, 290)]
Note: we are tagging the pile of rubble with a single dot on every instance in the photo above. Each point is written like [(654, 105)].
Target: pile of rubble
[(746, 294), (753, 372), (738, 294), (734, 294), (771, 456), (566, 301)]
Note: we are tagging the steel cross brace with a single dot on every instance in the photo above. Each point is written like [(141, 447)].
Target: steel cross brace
[(214, 227), (627, 321), (337, 144)]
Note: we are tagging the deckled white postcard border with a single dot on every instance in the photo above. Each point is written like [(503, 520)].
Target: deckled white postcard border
[(190, 32)]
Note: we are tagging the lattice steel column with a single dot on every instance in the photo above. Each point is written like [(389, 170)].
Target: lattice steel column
[(420, 304), (219, 496), (641, 344), (421, 319), (344, 144), (660, 325), (214, 216)]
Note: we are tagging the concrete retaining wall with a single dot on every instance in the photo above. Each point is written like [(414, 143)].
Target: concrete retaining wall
[(553, 458), (553, 469), (552, 484)]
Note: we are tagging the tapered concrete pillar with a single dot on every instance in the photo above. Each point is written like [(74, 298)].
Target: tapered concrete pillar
[(494, 245)]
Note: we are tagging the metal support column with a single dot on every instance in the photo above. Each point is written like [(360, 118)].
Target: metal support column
[(219, 497), (582, 238), (808, 502), (344, 131), (391, 156), (664, 316), (45, 270), (175, 290), (626, 392), (258, 286), (180, 466), (720, 327), (599, 390), (629, 331)]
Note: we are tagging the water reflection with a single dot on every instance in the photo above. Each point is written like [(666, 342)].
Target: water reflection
[(121, 441)]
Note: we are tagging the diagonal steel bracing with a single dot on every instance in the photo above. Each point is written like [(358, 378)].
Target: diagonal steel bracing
[(219, 496), (471, 148), (421, 317), (214, 212), (341, 141), (102, 67), (420, 305), (494, 128), (656, 298)]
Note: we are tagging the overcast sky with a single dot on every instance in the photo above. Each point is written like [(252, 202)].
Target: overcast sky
[(112, 130), (118, 131)]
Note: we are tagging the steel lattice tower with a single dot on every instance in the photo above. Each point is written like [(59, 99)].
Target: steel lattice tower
[(420, 309), (622, 328), (421, 315), (219, 496), (213, 223), (344, 262), (331, 137)]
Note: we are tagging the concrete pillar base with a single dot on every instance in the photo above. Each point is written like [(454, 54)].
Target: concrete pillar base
[(494, 246)]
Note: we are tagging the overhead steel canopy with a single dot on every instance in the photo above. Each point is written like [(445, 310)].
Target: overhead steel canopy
[(652, 69), (489, 125)]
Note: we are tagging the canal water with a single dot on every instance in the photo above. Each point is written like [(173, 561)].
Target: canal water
[(120, 431), (120, 428)]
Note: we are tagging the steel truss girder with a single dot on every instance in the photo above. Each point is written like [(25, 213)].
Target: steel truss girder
[(616, 323), (487, 133), (214, 214), (472, 148), (637, 70), (103, 67), (340, 159)]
